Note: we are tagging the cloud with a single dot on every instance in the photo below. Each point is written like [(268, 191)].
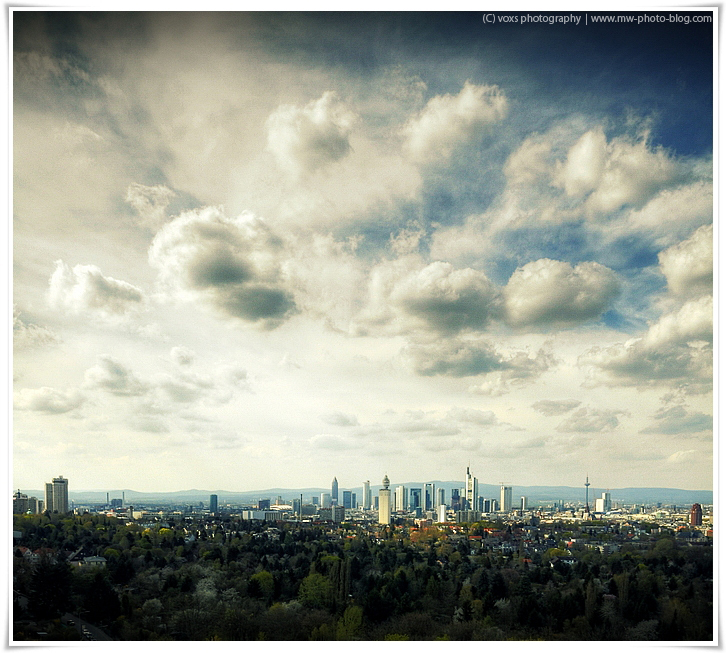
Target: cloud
[(674, 212), (677, 421), (623, 172), (551, 408), (680, 457), (233, 264), (30, 336), (305, 139), (590, 420), (184, 388), (688, 266), (582, 172), (85, 289), (552, 293), (517, 370), (150, 202), (48, 400), (448, 121), (331, 442), (447, 300), (340, 419), (182, 355), (113, 377), (675, 349), (453, 358), (473, 416)]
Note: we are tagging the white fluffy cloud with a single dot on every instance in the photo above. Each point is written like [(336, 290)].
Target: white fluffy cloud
[(615, 174), (85, 289), (585, 164), (553, 293), (305, 139), (674, 212), (675, 349), (234, 264), (150, 202), (447, 300), (447, 121), (688, 266)]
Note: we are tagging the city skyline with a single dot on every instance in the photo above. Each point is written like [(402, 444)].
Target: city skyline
[(255, 246)]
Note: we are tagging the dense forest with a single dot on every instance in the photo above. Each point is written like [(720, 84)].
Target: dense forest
[(242, 580)]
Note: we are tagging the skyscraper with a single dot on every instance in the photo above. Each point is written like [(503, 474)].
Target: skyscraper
[(505, 498), (213, 504), (325, 500), (384, 502), (334, 491), (429, 496), (440, 497), (401, 498), (347, 499), (56, 495), (471, 492), (414, 498), (696, 514), (366, 495)]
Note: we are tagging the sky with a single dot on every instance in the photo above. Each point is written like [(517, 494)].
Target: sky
[(258, 250)]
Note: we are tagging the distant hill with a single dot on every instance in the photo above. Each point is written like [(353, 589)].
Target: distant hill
[(535, 494)]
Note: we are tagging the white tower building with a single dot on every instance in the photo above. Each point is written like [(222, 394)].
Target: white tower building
[(384, 502)]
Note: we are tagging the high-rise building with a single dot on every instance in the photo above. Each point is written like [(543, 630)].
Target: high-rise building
[(263, 504), (56, 495), (696, 515), (440, 497), (429, 496), (366, 495), (523, 503), (334, 491), (347, 499), (441, 513), (213, 504), (471, 491), (384, 502), (414, 498), (325, 500), (505, 498), (607, 501), (400, 498), (455, 499), (20, 503)]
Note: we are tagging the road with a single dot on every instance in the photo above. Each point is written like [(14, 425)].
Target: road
[(85, 629)]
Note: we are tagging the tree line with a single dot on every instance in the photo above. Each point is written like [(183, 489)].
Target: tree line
[(240, 580)]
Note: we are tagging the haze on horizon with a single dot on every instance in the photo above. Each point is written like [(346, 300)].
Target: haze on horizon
[(263, 250)]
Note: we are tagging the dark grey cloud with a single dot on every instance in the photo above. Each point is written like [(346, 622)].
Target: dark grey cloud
[(551, 408)]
